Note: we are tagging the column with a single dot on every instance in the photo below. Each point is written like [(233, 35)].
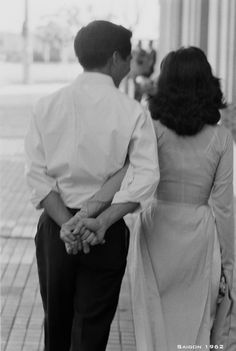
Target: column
[(186, 9), (170, 26), (222, 44), (27, 46), (223, 47), (195, 21), (191, 24), (213, 33), (231, 81), (203, 40)]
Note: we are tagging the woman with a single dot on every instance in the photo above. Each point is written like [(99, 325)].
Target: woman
[(178, 260), (185, 238)]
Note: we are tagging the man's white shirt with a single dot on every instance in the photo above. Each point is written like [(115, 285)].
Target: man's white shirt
[(80, 136)]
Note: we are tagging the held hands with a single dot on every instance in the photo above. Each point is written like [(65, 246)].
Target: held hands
[(80, 232), (73, 244), (91, 231)]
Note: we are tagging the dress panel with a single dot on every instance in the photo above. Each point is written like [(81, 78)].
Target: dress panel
[(173, 265)]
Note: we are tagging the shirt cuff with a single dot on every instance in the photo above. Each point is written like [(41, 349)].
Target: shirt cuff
[(121, 197), (37, 196)]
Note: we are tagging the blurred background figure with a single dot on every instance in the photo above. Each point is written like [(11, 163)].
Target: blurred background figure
[(152, 56), (142, 68)]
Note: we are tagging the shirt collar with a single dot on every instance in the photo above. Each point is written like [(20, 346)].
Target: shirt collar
[(95, 78)]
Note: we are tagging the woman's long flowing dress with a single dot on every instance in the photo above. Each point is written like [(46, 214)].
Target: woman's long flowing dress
[(179, 243)]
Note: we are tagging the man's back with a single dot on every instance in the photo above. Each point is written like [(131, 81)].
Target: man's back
[(86, 129)]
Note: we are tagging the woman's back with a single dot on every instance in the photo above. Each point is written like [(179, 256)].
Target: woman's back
[(188, 164)]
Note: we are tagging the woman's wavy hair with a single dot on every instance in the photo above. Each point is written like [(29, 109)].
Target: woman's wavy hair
[(188, 95)]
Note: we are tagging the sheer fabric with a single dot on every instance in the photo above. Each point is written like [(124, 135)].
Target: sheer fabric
[(175, 259)]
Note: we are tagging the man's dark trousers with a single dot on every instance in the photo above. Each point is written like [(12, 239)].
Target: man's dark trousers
[(80, 292)]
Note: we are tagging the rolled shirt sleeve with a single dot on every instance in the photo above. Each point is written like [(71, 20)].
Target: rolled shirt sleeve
[(143, 174), (39, 182)]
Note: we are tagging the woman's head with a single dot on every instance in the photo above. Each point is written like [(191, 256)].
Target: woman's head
[(188, 95)]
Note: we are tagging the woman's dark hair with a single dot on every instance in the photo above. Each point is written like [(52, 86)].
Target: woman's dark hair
[(96, 43), (188, 95)]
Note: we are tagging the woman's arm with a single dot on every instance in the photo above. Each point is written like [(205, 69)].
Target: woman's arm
[(92, 230), (224, 328), (103, 198), (222, 204)]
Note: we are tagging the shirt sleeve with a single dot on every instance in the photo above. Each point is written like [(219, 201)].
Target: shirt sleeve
[(143, 174), (39, 182)]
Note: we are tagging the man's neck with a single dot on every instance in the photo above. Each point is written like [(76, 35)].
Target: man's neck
[(102, 70)]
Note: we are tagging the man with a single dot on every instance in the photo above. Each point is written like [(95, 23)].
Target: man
[(79, 137), (152, 57)]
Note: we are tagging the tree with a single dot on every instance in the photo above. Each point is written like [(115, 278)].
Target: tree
[(56, 31), (54, 37)]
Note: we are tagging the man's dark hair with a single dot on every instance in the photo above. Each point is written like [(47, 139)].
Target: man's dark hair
[(95, 43), (188, 94)]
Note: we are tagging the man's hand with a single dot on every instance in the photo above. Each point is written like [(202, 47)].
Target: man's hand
[(91, 231), (73, 221), (73, 249), (73, 243), (66, 234)]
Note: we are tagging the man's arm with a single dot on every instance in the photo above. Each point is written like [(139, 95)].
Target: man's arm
[(39, 182), (42, 186), (115, 212), (143, 160), (55, 208)]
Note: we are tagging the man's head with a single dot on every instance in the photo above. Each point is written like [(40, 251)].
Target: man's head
[(150, 44), (103, 46)]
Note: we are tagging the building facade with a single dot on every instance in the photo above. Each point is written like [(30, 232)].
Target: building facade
[(208, 24)]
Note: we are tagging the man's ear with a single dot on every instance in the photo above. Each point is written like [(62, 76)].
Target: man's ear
[(115, 57), (110, 63)]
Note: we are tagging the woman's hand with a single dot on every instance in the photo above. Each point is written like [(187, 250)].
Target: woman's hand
[(73, 243), (91, 231)]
